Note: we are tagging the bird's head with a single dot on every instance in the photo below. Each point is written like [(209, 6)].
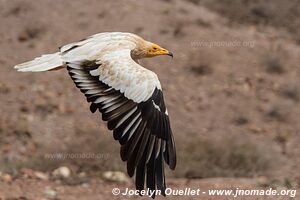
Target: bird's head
[(156, 50), (148, 50)]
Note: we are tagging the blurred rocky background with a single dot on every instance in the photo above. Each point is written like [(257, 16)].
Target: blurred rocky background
[(232, 91)]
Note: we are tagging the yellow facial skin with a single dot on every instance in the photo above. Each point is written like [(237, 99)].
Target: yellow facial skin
[(156, 50)]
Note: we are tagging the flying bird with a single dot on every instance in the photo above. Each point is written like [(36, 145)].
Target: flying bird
[(105, 67)]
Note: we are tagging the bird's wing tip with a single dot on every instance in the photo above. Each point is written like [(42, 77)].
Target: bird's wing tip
[(16, 67), (21, 69), (19, 66)]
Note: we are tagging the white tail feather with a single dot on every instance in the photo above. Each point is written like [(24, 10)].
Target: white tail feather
[(44, 63)]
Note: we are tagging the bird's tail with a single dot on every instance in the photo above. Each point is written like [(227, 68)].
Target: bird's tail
[(46, 62)]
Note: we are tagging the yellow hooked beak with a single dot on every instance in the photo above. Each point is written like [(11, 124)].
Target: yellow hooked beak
[(156, 50)]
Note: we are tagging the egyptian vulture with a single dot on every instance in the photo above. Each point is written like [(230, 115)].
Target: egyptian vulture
[(105, 68)]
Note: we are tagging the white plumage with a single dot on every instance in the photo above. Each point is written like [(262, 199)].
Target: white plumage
[(44, 63), (113, 51), (105, 68)]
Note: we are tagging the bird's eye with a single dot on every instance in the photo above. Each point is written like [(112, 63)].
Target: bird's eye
[(154, 48)]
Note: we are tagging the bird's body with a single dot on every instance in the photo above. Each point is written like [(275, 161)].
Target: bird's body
[(105, 68)]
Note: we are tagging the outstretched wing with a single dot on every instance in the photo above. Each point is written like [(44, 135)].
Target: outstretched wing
[(131, 101)]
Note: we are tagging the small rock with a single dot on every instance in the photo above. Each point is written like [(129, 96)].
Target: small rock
[(62, 172), (27, 172), (41, 175), (85, 185), (50, 193), (255, 129), (259, 130), (115, 176), (82, 175), (6, 178)]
